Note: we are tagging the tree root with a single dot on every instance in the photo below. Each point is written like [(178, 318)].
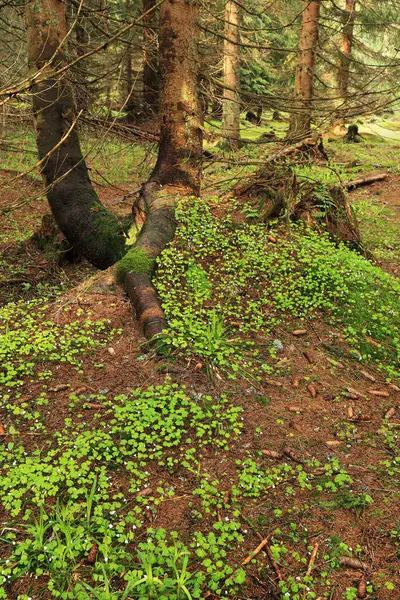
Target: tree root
[(276, 193)]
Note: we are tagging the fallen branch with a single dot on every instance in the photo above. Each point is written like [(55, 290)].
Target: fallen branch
[(274, 563), (312, 559), (352, 185), (256, 551)]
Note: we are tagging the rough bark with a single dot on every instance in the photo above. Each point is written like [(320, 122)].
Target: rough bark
[(82, 93), (300, 122), (349, 15), (151, 83), (231, 99), (177, 172), (93, 231)]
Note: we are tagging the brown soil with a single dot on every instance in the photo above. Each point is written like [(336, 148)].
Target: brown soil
[(292, 419)]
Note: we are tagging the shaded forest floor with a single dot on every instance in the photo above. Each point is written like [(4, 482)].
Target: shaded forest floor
[(273, 414)]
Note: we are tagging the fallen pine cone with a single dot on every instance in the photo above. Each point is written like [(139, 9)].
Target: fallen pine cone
[(295, 382), (353, 563), (273, 383), (299, 332), (394, 387), (333, 443), (367, 375), (390, 413), (2, 430), (59, 388), (335, 363), (272, 454), (362, 587), (308, 357), (312, 390), (378, 393), (272, 239), (91, 557)]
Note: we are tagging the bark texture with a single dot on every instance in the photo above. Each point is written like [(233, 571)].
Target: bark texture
[(300, 123), (95, 232), (151, 83), (177, 172), (346, 45), (231, 99)]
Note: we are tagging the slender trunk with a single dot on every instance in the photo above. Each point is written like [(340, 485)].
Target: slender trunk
[(178, 168), (151, 82), (300, 123), (89, 227), (231, 100), (128, 66), (349, 15)]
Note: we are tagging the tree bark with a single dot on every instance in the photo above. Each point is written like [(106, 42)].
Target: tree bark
[(177, 172), (300, 122), (151, 83), (231, 99), (95, 232), (349, 15)]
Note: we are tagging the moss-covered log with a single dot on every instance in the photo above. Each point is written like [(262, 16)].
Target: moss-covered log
[(93, 230)]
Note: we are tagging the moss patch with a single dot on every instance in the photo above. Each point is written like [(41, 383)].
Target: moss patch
[(137, 261)]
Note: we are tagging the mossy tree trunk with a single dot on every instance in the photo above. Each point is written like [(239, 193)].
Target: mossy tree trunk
[(231, 99), (85, 222), (177, 172), (94, 231), (300, 122)]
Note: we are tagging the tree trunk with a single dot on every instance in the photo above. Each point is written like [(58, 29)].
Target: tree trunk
[(82, 93), (349, 15), (95, 232), (178, 168), (151, 84), (300, 122), (127, 100), (231, 99)]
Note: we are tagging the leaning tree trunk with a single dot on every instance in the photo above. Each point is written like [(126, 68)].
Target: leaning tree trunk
[(300, 122), (177, 172), (85, 222), (349, 15), (95, 232), (231, 99), (151, 84)]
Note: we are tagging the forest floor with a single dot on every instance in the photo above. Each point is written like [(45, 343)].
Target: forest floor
[(262, 446)]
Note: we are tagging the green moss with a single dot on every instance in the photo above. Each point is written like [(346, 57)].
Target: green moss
[(137, 261)]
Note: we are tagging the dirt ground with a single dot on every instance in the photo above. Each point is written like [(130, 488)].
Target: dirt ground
[(326, 406)]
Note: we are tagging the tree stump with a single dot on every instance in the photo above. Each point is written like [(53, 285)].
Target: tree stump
[(277, 193), (352, 136)]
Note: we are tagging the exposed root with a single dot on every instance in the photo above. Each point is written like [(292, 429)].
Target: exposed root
[(277, 193)]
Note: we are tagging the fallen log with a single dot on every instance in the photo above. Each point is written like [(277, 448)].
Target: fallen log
[(352, 185)]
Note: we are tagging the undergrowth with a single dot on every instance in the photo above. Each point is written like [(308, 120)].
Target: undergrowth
[(219, 281)]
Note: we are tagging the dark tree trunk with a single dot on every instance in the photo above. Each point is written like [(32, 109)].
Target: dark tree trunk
[(300, 122), (95, 232), (178, 168), (151, 83), (82, 93)]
